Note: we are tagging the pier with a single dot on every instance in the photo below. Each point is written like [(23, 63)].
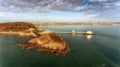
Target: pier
[(73, 32), (70, 32)]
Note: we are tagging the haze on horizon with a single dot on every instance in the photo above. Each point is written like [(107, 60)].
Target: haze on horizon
[(60, 10)]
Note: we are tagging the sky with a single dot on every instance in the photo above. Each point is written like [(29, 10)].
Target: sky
[(60, 10)]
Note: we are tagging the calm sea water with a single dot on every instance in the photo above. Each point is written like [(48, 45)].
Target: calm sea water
[(100, 50)]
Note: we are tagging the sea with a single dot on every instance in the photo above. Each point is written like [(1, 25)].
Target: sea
[(99, 50)]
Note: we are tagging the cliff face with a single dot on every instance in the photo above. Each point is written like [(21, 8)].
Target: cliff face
[(15, 26), (19, 28), (48, 43)]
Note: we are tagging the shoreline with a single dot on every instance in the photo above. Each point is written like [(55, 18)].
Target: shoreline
[(75, 25), (42, 40), (16, 33)]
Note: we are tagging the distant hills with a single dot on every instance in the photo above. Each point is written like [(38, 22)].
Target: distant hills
[(23, 24), (77, 24)]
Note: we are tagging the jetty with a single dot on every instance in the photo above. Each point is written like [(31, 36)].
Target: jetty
[(73, 32)]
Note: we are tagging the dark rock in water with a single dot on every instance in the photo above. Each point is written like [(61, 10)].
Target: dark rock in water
[(48, 43)]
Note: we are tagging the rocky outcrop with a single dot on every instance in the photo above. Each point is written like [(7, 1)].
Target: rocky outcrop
[(48, 43)]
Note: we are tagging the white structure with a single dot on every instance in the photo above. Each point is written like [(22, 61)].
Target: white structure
[(89, 33), (73, 32)]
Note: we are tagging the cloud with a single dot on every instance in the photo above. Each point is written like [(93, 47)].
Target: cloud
[(117, 3), (40, 5), (98, 0), (93, 9), (54, 5), (41, 17)]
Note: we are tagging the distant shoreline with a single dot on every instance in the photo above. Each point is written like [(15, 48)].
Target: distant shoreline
[(71, 23), (77, 24)]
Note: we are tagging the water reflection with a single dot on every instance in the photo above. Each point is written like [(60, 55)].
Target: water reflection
[(89, 36)]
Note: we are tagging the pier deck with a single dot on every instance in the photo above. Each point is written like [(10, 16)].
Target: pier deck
[(70, 32)]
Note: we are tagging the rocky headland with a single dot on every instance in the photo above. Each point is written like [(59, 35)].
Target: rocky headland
[(42, 40)]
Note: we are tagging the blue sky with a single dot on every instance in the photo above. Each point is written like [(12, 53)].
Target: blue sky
[(60, 10)]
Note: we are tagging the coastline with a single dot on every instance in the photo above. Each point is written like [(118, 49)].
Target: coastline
[(42, 40), (17, 33), (77, 24)]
